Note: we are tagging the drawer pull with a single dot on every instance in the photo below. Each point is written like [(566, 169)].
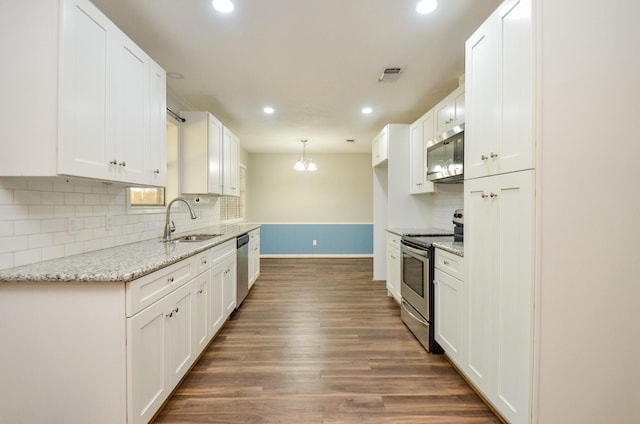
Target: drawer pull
[(176, 310), (169, 315), (170, 280), (200, 291), (204, 262), (445, 262)]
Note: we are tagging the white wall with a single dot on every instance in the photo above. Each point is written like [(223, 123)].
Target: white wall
[(589, 345), (339, 192)]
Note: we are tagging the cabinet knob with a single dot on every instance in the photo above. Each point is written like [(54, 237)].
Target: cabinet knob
[(113, 162), (493, 155), (445, 262), (170, 280), (123, 163), (169, 315), (176, 310), (483, 157), (156, 171), (493, 195), (200, 291), (204, 262)]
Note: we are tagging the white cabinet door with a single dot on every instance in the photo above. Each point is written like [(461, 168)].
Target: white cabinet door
[(394, 270), (379, 148), (229, 279), (148, 383), (202, 296), (499, 280), (216, 309), (231, 167), (180, 333), (449, 112), (499, 93), (254, 256), (420, 132), (158, 126), (87, 106), (201, 161), (449, 309), (132, 142)]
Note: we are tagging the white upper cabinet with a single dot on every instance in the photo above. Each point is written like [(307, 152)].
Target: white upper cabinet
[(450, 111), (420, 132), (201, 159), (380, 148), (107, 98), (209, 156), (499, 93), (231, 167)]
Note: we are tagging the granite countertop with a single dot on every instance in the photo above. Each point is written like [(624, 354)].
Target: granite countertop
[(455, 247), (122, 263), (417, 231)]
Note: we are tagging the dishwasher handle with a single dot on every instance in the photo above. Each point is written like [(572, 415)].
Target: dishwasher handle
[(242, 240)]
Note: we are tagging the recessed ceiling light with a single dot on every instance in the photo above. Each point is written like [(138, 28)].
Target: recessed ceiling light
[(223, 6), (367, 110), (426, 6), (268, 110)]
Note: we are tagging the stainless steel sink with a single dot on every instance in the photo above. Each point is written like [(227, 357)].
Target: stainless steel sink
[(195, 237)]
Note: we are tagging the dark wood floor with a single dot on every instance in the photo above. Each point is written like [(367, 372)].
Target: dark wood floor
[(316, 341)]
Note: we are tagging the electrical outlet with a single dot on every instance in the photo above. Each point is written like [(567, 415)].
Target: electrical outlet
[(315, 242)]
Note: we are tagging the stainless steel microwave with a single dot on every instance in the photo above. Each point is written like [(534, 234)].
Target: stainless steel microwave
[(445, 156)]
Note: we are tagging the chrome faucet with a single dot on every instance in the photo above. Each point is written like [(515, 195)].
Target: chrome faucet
[(169, 225)]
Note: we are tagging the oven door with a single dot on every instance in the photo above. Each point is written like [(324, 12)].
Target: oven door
[(415, 279)]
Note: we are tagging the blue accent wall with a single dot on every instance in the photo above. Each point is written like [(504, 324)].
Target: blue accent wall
[(296, 239)]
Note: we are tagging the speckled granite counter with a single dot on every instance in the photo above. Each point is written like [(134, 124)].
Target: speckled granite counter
[(122, 263), (455, 247), (417, 231)]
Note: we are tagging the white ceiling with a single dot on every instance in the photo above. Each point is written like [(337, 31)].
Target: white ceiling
[(317, 62)]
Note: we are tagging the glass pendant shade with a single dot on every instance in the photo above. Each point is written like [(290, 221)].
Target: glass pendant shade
[(303, 164)]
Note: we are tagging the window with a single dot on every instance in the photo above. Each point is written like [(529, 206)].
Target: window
[(234, 207)]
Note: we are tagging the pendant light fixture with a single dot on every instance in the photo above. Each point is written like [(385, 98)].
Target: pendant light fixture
[(303, 164)]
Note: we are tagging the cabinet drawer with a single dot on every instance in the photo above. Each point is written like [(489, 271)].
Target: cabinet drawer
[(144, 291), (202, 262), (393, 239), (449, 263)]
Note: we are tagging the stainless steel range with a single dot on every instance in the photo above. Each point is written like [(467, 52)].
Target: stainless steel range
[(417, 290)]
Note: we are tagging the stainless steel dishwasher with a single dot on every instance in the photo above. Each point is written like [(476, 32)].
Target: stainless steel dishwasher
[(242, 271)]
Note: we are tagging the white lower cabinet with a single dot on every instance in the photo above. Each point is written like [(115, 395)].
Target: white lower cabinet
[(159, 351), (394, 266), (165, 338), (254, 256), (449, 304), (499, 283)]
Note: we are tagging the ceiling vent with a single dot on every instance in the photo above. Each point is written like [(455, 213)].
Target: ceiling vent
[(390, 74)]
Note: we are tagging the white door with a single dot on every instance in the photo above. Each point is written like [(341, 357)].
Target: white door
[(448, 310), (229, 285), (180, 333), (216, 315)]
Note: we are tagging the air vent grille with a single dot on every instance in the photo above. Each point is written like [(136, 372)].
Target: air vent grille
[(390, 74)]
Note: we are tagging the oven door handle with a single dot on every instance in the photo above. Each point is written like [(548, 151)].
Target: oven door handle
[(423, 253), (408, 308)]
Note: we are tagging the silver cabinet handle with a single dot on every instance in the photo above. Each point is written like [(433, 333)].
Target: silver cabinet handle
[(484, 195), (123, 163), (200, 291), (170, 280), (493, 195), (169, 315), (483, 157), (204, 262), (493, 155), (156, 171), (445, 262), (113, 162)]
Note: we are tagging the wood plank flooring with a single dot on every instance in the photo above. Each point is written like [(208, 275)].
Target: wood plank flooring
[(316, 341)]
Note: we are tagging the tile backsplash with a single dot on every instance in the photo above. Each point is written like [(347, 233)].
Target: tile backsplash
[(447, 199), (49, 218)]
